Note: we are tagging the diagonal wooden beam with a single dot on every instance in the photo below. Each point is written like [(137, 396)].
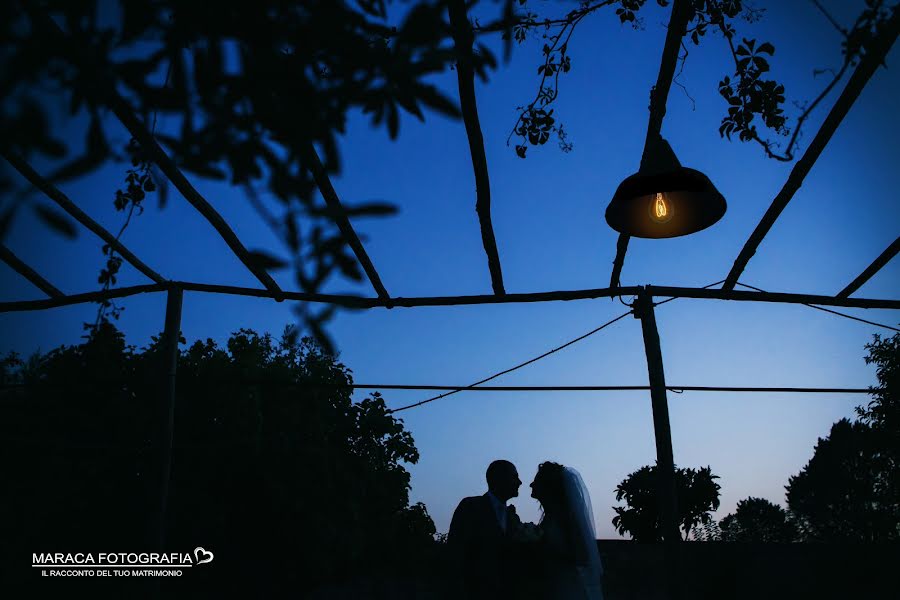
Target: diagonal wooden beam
[(883, 259), (659, 95), (28, 273), (339, 216), (874, 56), (108, 95), (52, 192), (463, 37)]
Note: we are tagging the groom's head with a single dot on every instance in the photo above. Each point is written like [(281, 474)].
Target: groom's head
[(503, 479)]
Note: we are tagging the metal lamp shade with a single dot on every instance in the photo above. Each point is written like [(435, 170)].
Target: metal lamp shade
[(691, 203)]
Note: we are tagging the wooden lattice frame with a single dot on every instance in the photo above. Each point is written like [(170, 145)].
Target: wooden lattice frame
[(463, 37)]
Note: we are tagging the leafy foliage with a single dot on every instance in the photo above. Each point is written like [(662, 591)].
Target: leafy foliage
[(883, 412), (276, 468), (758, 520), (754, 101), (850, 489), (753, 95), (749, 95), (246, 91), (696, 491)]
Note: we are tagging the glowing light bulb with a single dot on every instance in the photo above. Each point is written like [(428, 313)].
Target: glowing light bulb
[(661, 208)]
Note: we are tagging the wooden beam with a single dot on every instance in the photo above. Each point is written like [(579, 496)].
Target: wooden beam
[(619, 260), (339, 216), (775, 297), (883, 259), (659, 95), (874, 56), (52, 192), (666, 492), (525, 388), (7, 256), (603, 388), (463, 37), (165, 422), (123, 111), (369, 303), (63, 300)]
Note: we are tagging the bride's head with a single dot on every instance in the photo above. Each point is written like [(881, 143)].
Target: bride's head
[(548, 488)]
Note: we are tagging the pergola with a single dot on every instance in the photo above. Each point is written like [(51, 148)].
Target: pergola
[(463, 36)]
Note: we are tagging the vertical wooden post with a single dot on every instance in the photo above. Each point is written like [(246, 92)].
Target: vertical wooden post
[(166, 429), (665, 463)]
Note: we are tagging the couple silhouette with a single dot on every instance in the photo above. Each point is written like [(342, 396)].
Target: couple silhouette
[(495, 555)]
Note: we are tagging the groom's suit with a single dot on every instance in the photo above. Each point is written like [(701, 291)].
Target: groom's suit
[(480, 547)]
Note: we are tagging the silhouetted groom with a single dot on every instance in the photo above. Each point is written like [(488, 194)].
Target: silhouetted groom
[(478, 538)]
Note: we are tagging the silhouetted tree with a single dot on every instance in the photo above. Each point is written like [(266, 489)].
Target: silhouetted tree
[(276, 469), (883, 412), (758, 520), (840, 493), (697, 494), (850, 489)]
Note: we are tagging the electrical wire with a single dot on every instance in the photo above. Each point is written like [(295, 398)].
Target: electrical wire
[(828, 310), (528, 362), (510, 370)]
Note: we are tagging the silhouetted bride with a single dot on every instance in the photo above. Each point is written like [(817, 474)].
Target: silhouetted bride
[(572, 568)]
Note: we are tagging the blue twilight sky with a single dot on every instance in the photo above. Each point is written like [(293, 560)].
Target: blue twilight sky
[(548, 220)]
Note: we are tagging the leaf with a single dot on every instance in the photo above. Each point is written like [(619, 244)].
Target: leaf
[(77, 167), (56, 220), (314, 324), (431, 97), (6, 220), (767, 48), (266, 261), (372, 209), (96, 141), (162, 186), (393, 120), (348, 266), (195, 166)]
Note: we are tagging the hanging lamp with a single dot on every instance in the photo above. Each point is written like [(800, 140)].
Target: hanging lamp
[(664, 199)]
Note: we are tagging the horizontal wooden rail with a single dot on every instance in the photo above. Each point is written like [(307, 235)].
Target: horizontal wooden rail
[(123, 292), (484, 388), (368, 303), (608, 388)]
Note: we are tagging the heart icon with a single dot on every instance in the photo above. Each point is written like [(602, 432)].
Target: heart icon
[(202, 555)]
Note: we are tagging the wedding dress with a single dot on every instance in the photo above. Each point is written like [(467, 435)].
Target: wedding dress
[(574, 571)]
